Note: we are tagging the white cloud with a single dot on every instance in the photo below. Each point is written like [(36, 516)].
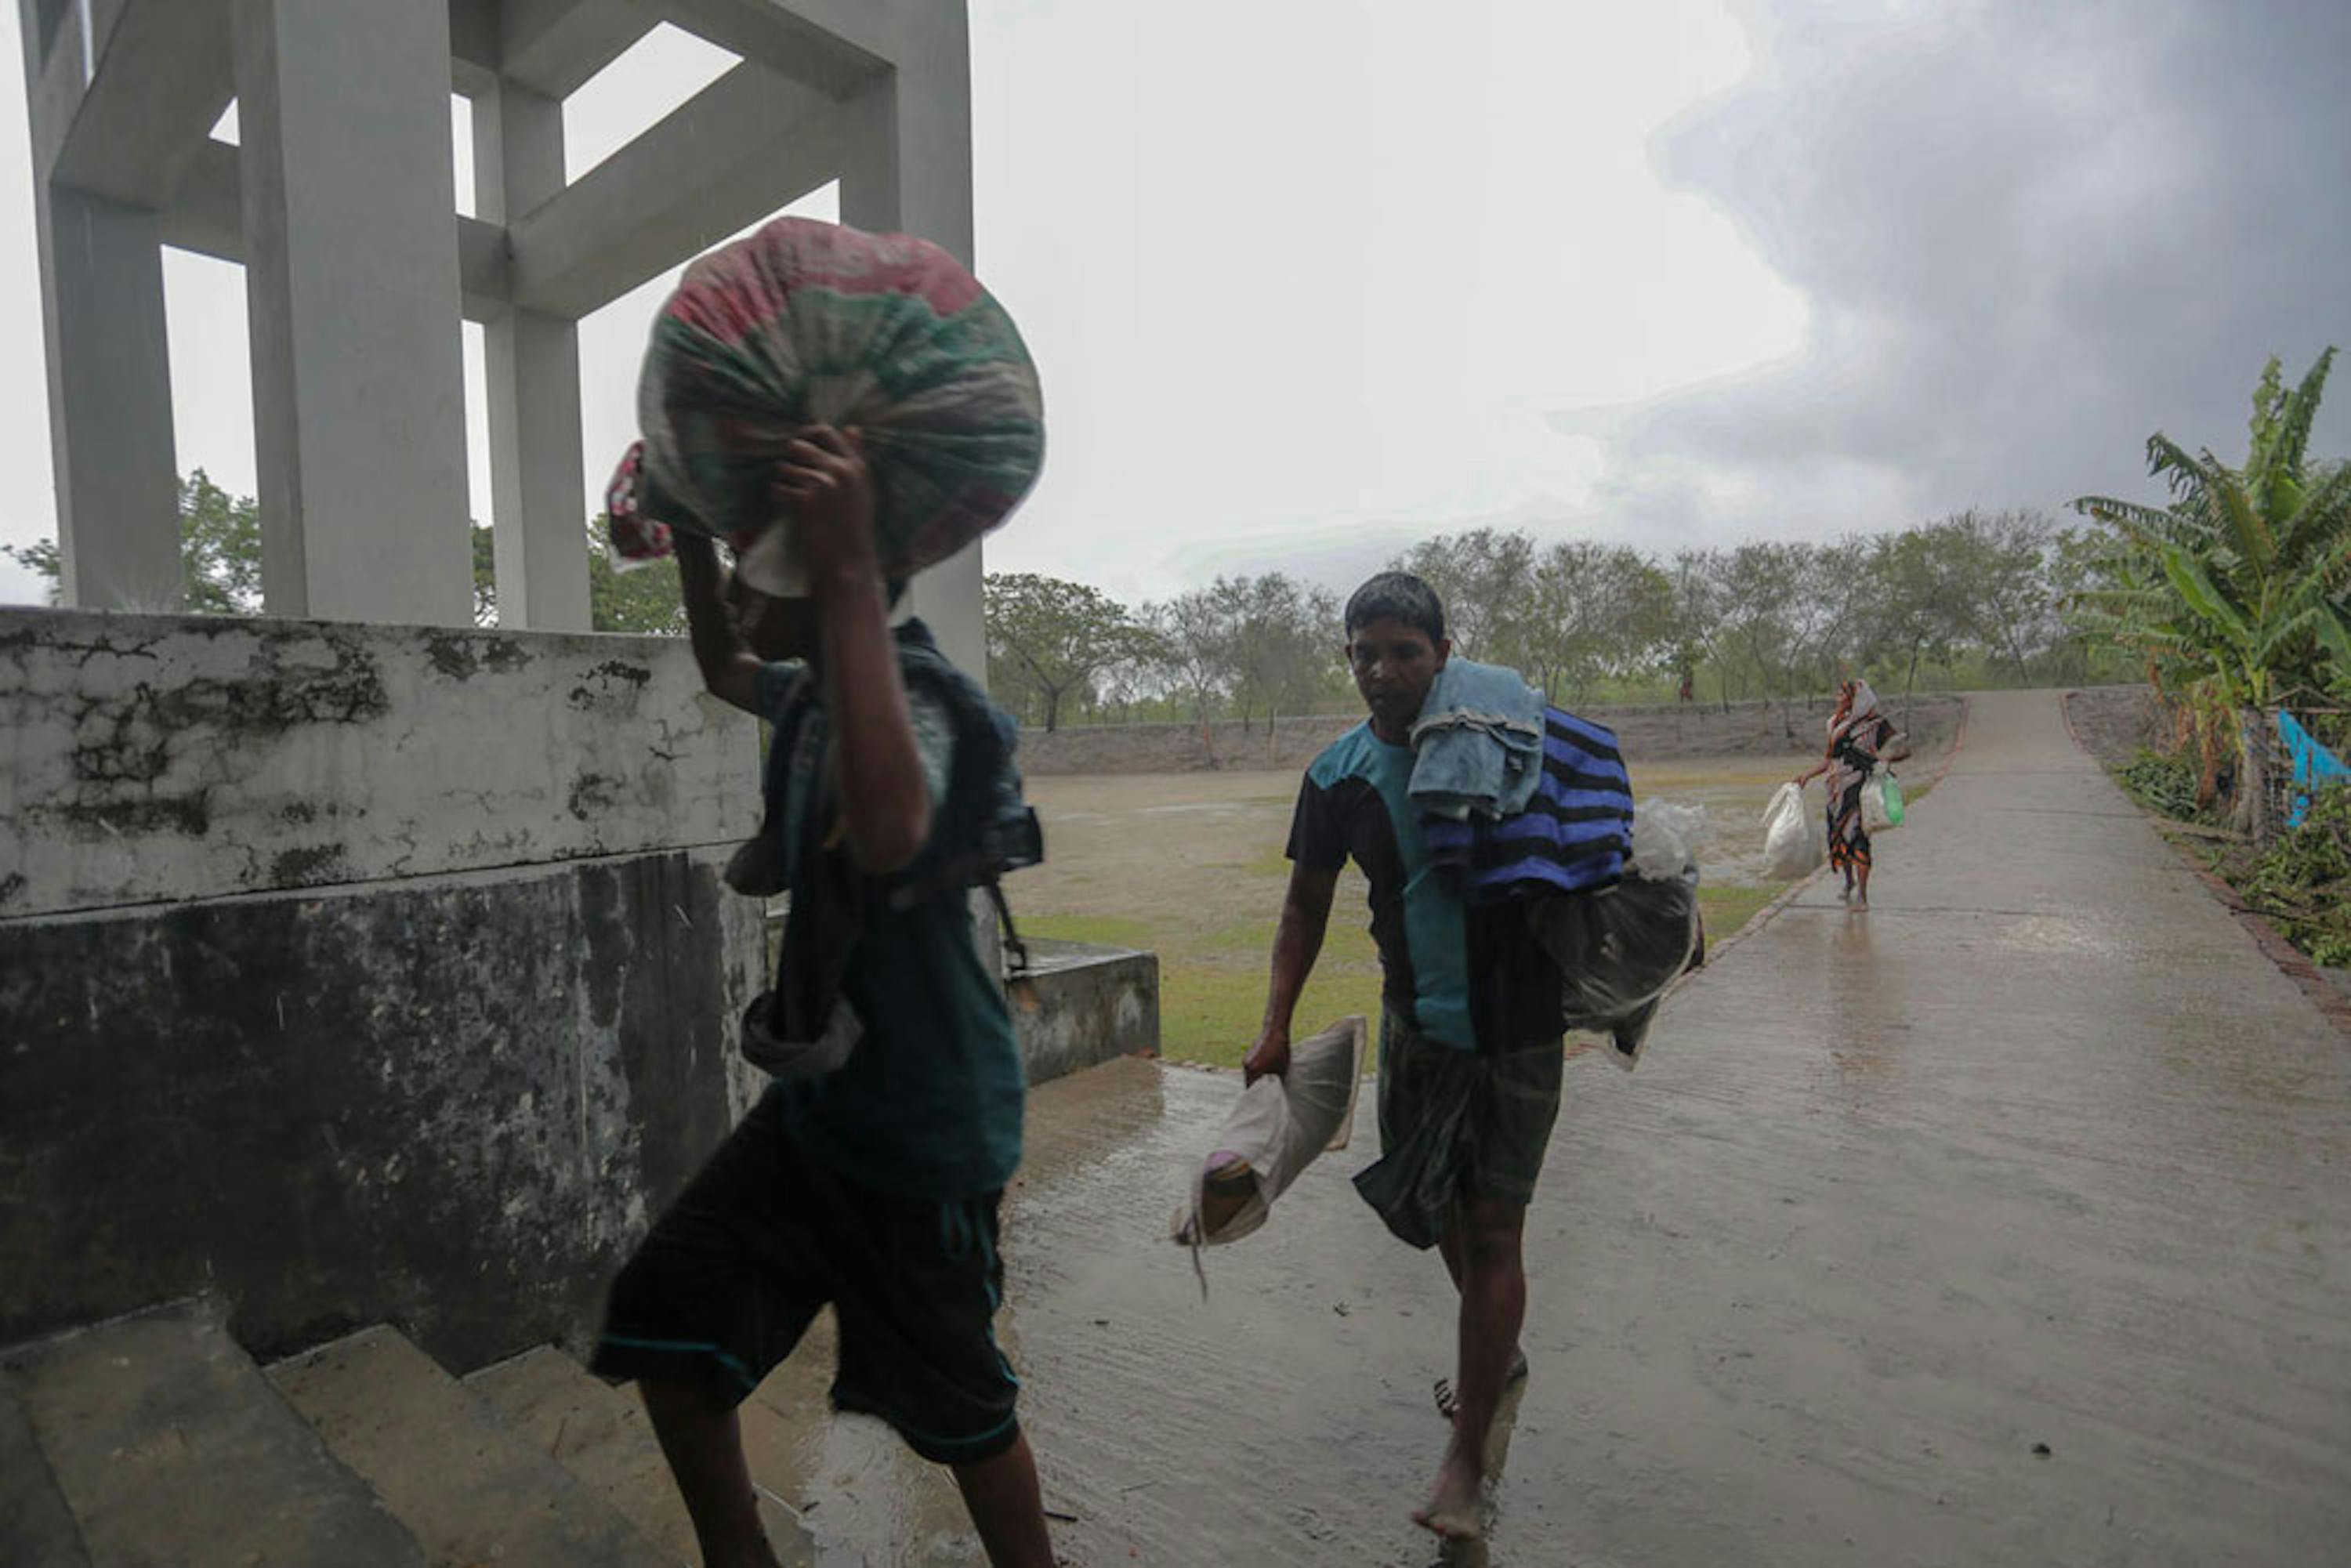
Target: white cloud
[(1325, 263)]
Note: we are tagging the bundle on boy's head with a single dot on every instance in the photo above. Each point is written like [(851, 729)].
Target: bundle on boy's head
[(1397, 596)]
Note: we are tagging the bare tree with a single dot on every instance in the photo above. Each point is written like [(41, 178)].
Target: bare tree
[(1051, 637), (1192, 641), (1483, 576)]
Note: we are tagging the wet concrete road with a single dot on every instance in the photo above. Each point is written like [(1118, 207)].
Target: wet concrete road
[(2040, 1153)]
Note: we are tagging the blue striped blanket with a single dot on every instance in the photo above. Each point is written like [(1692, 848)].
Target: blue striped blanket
[(1573, 837)]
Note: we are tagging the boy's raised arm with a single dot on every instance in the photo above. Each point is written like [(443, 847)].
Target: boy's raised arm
[(729, 670), (885, 804)]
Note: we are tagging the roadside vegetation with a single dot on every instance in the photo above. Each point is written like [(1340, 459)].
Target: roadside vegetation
[(2234, 600)]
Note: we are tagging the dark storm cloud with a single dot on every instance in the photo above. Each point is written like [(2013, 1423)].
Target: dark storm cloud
[(2029, 233)]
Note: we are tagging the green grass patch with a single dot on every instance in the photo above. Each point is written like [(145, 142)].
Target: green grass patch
[(1209, 1011), (1345, 941), (1727, 909), (1272, 862), (1211, 1015), (1244, 936), (1105, 930)]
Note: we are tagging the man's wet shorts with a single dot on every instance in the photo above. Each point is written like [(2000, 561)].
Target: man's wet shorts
[(729, 1279)]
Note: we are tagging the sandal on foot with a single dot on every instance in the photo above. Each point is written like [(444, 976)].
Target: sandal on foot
[(1448, 1400)]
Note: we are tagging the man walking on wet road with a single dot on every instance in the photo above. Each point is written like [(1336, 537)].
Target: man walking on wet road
[(1471, 1036)]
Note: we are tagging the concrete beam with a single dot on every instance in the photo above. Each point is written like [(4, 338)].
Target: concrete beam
[(746, 145), (38, 22), (118, 481), (907, 147), (121, 120), (204, 209), (474, 47), (353, 304), (533, 373), (474, 36), (533, 365), (57, 69), (484, 270), (836, 46), (552, 47), (204, 212), (907, 168)]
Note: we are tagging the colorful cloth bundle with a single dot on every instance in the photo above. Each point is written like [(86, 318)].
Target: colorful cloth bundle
[(805, 323)]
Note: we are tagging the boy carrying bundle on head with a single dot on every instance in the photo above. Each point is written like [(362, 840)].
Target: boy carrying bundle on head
[(869, 1181)]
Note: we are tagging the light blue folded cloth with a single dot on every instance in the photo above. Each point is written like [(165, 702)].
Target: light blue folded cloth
[(1477, 744)]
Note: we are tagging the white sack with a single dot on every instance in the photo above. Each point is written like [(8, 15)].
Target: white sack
[(1276, 1130), (1794, 841)]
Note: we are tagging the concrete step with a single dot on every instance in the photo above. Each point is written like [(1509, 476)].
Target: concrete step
[(170, 1446), (35, 1525), (601, 1434), (470, 1489)]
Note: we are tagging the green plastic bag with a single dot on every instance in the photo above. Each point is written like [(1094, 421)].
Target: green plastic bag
[(1892, 790)]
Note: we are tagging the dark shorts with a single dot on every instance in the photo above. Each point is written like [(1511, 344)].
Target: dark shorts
[(730, 1277), (1457, 1124)]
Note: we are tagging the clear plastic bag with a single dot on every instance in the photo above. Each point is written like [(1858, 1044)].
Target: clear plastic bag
[(1275, 1130), (1667, 837), (1617, 951), (1794, 841)]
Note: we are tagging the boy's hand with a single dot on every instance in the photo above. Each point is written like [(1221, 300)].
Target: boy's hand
[(824, 482), (1270, 1055)]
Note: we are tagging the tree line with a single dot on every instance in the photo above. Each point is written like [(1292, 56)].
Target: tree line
[(1976, 598), (220, 558)]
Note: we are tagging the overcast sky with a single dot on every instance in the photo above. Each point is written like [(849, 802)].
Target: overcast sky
[(1307, 281)]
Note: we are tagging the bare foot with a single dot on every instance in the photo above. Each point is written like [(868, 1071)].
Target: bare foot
[(1452, 1511)]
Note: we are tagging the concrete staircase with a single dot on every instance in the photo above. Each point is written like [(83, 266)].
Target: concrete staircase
[(154, 1440)]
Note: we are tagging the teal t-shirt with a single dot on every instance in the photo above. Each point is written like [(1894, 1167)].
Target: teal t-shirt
[(929, 1103), (1472, 977)]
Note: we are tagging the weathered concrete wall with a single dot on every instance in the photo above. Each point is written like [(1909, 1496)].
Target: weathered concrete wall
[(357, 972), (1083, 1004), (449, 1102), (163, 758)]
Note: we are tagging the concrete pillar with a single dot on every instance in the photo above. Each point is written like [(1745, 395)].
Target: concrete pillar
[(907, 168), (533, 363), (110, 402), (349, 210)]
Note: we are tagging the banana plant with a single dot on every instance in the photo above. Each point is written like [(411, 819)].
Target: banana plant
[(2237, 595)]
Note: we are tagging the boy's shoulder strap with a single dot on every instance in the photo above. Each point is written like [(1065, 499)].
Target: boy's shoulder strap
[(985, 828)]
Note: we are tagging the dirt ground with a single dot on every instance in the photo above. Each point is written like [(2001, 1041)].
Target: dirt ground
[(1190, 867), (2112, 722)]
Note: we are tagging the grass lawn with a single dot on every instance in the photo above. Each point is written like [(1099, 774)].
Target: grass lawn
[(1190, 867)]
